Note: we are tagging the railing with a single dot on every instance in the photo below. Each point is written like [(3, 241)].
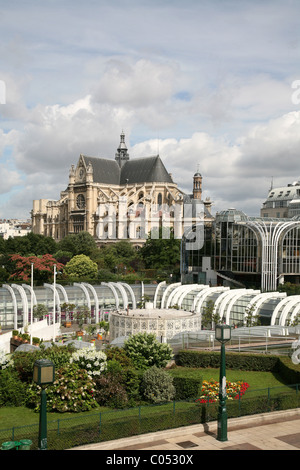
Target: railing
[(243, 342), (66, 433)]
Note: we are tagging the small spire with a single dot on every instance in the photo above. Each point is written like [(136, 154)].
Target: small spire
[(122, 153)]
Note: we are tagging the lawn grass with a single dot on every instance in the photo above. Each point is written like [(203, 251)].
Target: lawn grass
[(21, 416), (256, 380)]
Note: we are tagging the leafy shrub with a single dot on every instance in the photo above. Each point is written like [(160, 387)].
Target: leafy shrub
[(109, 391), (119, 355), (73, 390), (12, 390), (157, 385), (24, 361), (145, 351)]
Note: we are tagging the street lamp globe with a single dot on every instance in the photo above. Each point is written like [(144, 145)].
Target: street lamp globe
[(223, 333)]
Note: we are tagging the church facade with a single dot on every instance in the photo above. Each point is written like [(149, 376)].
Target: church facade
[(121, 198)]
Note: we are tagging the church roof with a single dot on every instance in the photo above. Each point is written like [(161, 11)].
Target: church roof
[(140, 170), (144, 170), (104, 170)]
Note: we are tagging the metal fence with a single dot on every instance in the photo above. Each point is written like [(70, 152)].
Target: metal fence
[(242, 342), (67, 433)]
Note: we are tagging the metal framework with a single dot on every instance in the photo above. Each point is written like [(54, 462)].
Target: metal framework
[(270, 235)]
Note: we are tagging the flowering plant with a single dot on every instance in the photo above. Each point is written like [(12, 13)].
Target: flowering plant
[(5, 360), (210, 390), (94, 362), (72, 391)]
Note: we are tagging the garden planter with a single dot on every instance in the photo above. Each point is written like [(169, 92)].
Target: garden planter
[(99, 336), (68, 324)]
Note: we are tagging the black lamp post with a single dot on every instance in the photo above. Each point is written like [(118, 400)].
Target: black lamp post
[(43, 374), (222, 334)]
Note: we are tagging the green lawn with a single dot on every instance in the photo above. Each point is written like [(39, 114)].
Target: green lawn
[(18, 416), (256, 380)]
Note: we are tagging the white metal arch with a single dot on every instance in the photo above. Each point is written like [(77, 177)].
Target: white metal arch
[(226, 299), (277, 310), (205, 293), (108, 284), (176, 293), (63, 291), (161, 284), (220, 298), (170, 287), (270, 236), (293, 300), (15, 305), (202, 288), (186, 292), (24, 302), (96, 300), (27, 287), (295, 312), (123, 292), (234, 299), (57, 300), (129, 288), (86, 293), (258, 300)]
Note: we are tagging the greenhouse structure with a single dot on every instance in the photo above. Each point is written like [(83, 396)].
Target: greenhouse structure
[(232, 305)]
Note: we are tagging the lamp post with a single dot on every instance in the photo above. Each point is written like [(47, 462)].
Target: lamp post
[(54, 301), (43, 374), (222, 334), (31, 302)]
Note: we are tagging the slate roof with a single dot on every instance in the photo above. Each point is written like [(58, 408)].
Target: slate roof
[(140, 170), (104, 170)]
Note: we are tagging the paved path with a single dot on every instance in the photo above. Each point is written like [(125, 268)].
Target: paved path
[(269, 431)]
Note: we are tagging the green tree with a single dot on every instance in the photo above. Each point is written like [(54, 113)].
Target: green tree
[(251, 319), (30, 244), (209, 316), (81, 266), (161, 253), (82, 243), (85, 244), (40, 311)]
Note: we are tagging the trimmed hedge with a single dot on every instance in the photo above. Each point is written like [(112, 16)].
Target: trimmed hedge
[(187, 387), (242, 361), (289, 371)]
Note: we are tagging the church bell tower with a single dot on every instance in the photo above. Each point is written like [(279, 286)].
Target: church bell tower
[(197, 186)]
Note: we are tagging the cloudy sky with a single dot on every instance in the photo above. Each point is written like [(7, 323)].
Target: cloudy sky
[(208, 84)]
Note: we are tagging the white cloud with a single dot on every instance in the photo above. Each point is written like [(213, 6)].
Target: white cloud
[(204, 83)]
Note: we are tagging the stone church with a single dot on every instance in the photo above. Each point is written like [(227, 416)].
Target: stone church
[(120, 199)]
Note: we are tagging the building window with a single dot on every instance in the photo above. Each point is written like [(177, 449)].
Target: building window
[(80, 201)]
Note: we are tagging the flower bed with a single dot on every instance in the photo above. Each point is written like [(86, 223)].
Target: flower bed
[(210, 390)]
